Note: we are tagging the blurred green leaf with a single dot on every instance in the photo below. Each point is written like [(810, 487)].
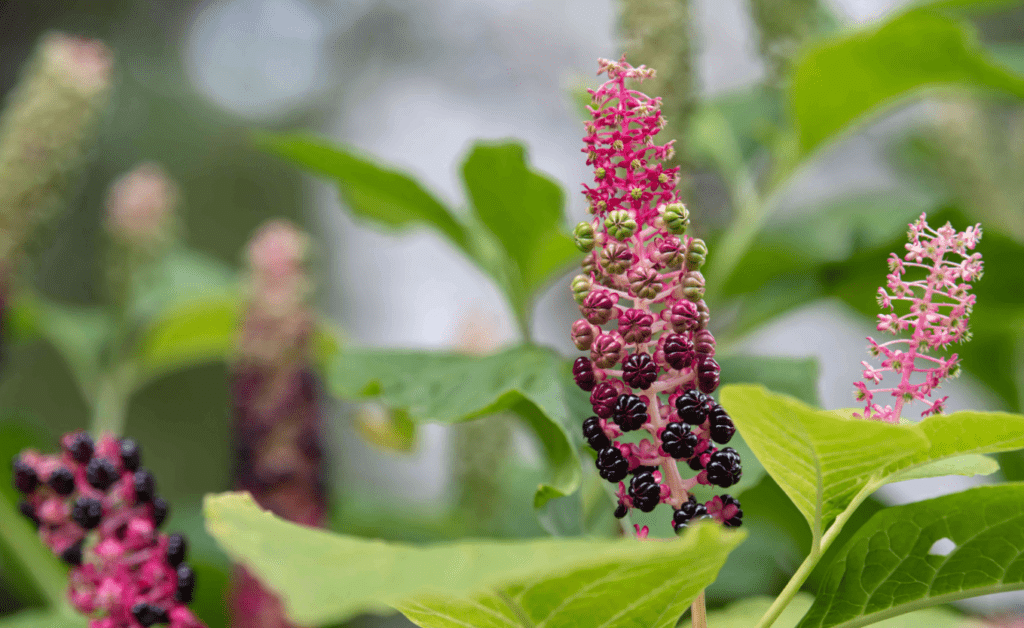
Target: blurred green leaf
[(745, 613), (557, 582), (190, 334), (449, 388), (892, 565), (843, 80), (43, 619), (392, 429), (523, 209), (180, 277), (372, 191), (824, 461), (729, 130), (797, 377)]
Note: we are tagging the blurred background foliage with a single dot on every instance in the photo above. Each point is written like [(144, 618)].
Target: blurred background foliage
[(856, 117)]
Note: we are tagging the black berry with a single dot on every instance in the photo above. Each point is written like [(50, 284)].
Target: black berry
[(737, 519), (73, 554), (678, 441), (583, 373), (186, 584), (29, 512), (630, 412), (177, 547), (686, 513), (645, 491), (25, 478), (678, 351), (62, 481), (81, 448), (621, 510), (698, 462), (603, 399), (87, 512), (148, 614), (722, 427), (595, 436), (160, 510), (145, 486), (612, 465), (724, 468), (692, 407), (131, 454), (639, 371), (101, 473), (708, 374)]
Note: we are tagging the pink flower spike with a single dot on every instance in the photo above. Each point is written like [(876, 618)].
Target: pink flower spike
[(942, 254)]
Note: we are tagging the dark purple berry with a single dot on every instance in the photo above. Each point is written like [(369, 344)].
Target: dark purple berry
[(612, 465), (621, 510), (700, 461), (603, 399), (692, 407), (148, 614), (737, 519), (101, 473), (160, 510), (722, 427), (678, 351), (708, 373), (684, 514), (186, 584), (131, 454), (678, 441), (87, 512), (595, 436), (145, 486), (630, 412), (81, 448), (644, 469), (724, 468), (639, 371), (583, 373), (73, 554), (704, 343), (645, 491), (62, 481), (177, 546), (28, 512), (25, 478)]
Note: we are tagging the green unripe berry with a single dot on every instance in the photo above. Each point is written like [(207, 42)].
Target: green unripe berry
[(581, 286), (693, 286), (696, 254), (616, 258), (583, 235), (676, 217), (620, 224)]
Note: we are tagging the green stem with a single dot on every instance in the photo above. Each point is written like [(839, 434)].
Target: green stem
[(23, 543), (111, 407)]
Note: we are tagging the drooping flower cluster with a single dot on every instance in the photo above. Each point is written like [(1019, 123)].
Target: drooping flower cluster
[(939, 308), (98, 509), (651, 366)]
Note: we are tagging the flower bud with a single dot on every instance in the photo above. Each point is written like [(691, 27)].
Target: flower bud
[(696, 254), (676, 217), (645, 283), (599, 306), (683, 316), (581, 285), (616, 258), (140, 206), (635, 325), (693, 286), (606, 350), (583, 235), (620, 224), (583, 334)]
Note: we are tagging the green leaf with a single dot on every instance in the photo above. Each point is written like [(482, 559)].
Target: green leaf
[(187, 335), (889, 568), (450, 388), (823, 460), (797, 377), (323, 577), (971, 464), (844, 80), (180, 277), (374, 192), (43, 619), (745, 613), (523, 210)]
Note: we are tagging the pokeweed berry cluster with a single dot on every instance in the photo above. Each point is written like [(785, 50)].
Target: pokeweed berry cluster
[(98, 509), (645, 323)]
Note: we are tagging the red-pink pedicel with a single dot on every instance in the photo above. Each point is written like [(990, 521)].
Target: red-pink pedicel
[(940, 306), (651, 365), (98, 510)]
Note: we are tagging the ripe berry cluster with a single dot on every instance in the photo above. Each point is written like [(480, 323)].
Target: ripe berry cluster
[(651, 365), (98, 509)]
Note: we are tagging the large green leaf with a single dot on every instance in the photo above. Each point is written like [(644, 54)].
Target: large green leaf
[(323, 577), (745, 613), (44, 619), (522, 209), (449, 388), (843, 80), (824, 461), (894, 564), (182, 276), (371, 191)]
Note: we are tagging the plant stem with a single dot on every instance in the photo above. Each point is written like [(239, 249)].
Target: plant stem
[(40, 564), (111, 407), (698, 612)]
